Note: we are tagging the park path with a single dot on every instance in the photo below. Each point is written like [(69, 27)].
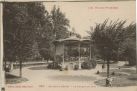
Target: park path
[(40, 76), (40, 79)]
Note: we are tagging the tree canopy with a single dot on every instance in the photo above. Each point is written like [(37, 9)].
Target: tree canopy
[(23, 26), (57, 29), (115, 41)]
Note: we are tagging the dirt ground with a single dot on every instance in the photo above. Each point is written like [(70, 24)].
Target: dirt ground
[(39, 78)]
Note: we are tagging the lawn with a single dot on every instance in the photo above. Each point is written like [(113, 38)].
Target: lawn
[(12, 79), (122, 77)]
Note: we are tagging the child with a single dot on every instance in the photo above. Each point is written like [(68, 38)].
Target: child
[(109, 81)]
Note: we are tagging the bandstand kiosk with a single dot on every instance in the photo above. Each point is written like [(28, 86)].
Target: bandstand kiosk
[(63, 46)]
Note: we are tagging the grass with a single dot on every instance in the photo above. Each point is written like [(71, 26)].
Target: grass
[(122, 78), (27, 65), (12, 79), (118, 82), (133, 77)]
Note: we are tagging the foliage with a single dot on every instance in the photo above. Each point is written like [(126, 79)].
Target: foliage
[(54, 65), (55, 29), (128, 46), (60, 22), (107, 38), (73, 33), (88, 64), (23, 23), (76, 67), (113, 39)]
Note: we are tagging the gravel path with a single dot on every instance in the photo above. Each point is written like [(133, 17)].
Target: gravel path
[(41, 78)]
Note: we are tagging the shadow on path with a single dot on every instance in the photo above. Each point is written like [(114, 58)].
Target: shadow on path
[(73, 78), (39, 68), (12, 79)]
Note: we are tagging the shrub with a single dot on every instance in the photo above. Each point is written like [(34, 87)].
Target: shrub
[(7, 69), (98, 72), (89, 64), (54, 65), (113, 73), (86, 65), (66, 68), (76, 67)]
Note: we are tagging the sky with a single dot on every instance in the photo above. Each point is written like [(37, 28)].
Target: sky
[(83, 15)]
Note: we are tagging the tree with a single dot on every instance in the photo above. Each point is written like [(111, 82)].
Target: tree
[(23, 23), (60, 22), (107, 38), (55, 28), (73, 33), (128, 46)]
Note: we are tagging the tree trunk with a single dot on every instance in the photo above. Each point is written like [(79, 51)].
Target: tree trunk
[(108, 68), (5, 64), (20, 68)]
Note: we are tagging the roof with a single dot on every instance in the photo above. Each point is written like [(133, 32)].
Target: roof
[(73, 40)]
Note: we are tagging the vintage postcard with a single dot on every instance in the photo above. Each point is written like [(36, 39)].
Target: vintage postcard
[(68, 45)]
